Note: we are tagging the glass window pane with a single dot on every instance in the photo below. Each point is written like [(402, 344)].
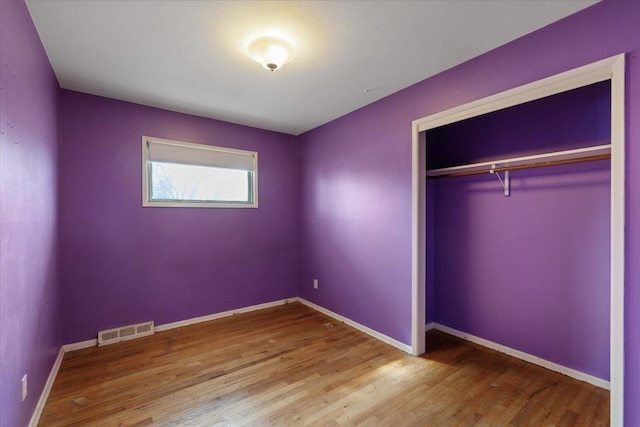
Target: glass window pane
[(174, 182)]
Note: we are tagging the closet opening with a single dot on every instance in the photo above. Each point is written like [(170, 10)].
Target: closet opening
[(518, 221)]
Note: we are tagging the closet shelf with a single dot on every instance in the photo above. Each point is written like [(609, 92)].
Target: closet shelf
[(587, 154)]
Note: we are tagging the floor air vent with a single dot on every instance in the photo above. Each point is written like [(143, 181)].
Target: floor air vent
[(110, 336)]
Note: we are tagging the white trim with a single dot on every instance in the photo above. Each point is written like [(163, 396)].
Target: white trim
[(94, 342), (35, 418), (165, 327), (618, 188), (80, 345), (222, 314), (598, 382), (418, 244), (612, 68), (429, 326), (375, 334)]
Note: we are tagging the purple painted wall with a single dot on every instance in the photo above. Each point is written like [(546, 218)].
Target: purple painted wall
[(632, 282), (122, 263), (530, 271), (355, 225), (29, 294), (355, 219)]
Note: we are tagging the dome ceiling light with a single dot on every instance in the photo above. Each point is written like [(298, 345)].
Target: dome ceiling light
[(271, 52)]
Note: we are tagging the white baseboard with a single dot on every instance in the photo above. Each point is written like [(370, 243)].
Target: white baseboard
[(598, 382), (194, 320), (35, 418), (429, 326), (80, 345), (214, 316), (397, 344)]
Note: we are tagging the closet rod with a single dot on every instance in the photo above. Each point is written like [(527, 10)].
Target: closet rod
[(526, 166)]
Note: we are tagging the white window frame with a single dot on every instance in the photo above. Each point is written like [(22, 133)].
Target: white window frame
[(225, 152)]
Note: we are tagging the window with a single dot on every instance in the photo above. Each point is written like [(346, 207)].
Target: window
[(181, 174)]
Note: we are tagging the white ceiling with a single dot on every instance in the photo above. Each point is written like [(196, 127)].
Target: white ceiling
[(190, 56)]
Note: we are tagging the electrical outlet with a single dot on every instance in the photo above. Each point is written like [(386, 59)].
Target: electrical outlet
[(24, 387), (315, 283)]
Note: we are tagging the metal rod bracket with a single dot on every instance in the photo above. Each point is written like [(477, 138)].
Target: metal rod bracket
[(506, 183)]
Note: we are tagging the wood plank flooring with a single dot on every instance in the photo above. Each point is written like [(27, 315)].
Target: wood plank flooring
[(290, 365)]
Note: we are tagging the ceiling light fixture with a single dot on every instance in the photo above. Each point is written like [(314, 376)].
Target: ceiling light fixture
[(271, 52)]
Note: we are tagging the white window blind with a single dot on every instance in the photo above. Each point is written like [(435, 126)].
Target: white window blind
[(188, 154)]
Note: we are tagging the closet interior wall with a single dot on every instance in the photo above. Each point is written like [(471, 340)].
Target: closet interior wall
[(530, 271)]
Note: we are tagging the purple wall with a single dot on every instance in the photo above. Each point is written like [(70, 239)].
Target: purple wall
[(122, 263), (632, 283), (530, 271), (355, 220), (355, 225), (29, 294)]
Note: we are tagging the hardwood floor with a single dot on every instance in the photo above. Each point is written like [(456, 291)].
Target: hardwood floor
[(290, 365)]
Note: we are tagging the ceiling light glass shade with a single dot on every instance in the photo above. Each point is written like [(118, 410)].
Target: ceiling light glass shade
[(271, 52)]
